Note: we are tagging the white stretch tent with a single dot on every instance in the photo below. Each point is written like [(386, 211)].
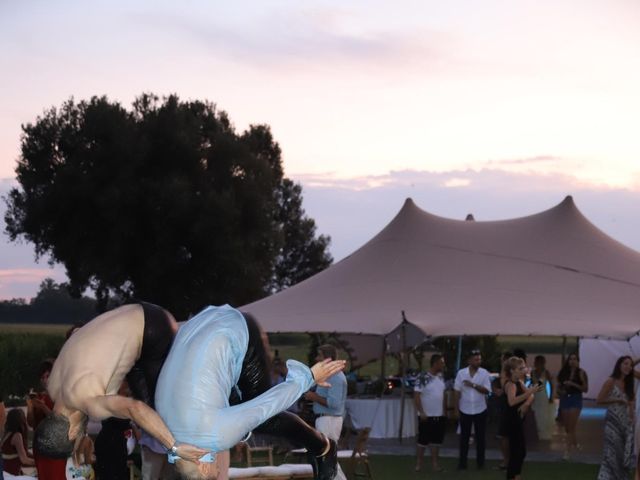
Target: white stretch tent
[(552, 273)]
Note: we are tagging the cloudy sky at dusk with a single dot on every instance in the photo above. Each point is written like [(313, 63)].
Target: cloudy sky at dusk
[(497, 108)]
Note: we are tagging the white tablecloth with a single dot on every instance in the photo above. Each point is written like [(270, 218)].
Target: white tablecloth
[(383, 416)]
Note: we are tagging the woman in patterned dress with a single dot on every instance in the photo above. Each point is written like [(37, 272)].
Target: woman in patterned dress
[(617, 394)]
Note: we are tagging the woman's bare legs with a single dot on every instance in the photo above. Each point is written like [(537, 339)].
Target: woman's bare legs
[(570, 421)]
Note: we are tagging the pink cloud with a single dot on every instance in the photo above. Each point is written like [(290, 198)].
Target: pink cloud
[(24, 282)]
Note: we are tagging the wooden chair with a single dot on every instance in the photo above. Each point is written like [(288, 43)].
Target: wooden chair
[(265, 455), (358, 458)]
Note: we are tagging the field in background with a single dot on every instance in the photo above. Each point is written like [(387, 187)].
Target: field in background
[(46, 329)]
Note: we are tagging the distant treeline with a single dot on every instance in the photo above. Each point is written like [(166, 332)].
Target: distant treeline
[(52, 305)]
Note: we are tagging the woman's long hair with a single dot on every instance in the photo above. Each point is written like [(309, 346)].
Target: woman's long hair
[(16, 423), (565, 371), (628, 379)]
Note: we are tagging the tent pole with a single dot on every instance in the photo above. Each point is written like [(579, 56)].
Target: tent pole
[(403, 371), (383, 362)]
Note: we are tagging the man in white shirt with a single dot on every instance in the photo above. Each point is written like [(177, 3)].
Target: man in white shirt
[(428, 395), (472, 386)]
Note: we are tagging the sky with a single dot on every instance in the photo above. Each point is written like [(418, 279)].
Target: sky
[(497, 108)]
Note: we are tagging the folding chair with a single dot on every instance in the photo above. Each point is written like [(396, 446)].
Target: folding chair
[(358, 458)]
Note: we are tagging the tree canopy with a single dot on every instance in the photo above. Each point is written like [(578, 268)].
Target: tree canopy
[(165, 202), (52, 304)]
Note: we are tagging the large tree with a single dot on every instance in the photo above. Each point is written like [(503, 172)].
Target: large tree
[(165, 202)]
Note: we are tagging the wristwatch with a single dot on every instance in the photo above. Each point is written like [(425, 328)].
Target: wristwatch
[(173, 450)]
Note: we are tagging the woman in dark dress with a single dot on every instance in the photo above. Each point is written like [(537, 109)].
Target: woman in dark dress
[(519, 399), (572, 383), (14, 443), (497, 389)]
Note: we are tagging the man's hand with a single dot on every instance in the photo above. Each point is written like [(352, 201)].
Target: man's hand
[(191, 453), (323, 370)]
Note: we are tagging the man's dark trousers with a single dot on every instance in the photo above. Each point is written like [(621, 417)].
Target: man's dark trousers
[(479, 422)]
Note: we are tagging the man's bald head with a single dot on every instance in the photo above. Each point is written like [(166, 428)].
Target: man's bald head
[(191, 471)]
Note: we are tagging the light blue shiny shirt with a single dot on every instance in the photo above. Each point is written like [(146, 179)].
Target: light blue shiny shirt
[(336, 396), (203, 366)]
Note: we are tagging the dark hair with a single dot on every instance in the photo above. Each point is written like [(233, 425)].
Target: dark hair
[(520, 353), (565, 372), (45, 366), (51, 438), (16, 422), (328, 351), (506, 355), (435, 358), (72, 329), (628, 379)]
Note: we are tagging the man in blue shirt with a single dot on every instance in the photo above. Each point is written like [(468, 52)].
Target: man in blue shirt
[(329, 402), (220, 351)]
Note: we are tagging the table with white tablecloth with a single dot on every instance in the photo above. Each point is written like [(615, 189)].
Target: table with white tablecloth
[(382, 415)]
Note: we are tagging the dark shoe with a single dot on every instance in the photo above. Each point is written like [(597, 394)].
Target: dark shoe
[(327, 464), (311, 458)]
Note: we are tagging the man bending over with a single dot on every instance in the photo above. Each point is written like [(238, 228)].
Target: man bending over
[(219, 351), (130, 341)]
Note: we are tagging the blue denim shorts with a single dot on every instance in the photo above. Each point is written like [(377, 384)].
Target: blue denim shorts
[(573, 400)]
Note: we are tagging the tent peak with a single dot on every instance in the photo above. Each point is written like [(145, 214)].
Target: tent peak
[(568, 201), (566, 207)]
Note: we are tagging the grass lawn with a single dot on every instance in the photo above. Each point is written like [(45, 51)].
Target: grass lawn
[(392, 467)]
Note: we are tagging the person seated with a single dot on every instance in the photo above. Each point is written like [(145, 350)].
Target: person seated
[(79, 465), (14, 443), (130, 341), (39, 406), (220, 351)]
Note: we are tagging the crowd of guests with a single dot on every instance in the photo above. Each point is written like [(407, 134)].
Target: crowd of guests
[(522, 395), (107, 458)]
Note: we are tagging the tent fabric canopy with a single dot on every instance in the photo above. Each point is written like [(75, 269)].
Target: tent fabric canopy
[(552, 273)]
